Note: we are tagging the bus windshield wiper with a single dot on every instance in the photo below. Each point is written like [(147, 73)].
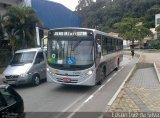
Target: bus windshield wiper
[(76, 44)]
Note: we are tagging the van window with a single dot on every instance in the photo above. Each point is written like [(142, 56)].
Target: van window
[(23, 58), (40, 56)]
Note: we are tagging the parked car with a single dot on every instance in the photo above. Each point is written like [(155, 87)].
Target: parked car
[(11, 103), (27, 66)]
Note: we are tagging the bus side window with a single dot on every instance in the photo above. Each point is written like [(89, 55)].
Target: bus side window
[(99, 48), (104, 46)]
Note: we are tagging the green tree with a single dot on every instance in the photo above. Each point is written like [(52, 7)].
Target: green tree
[(156, 44), (149, 18), (20, 26), (1, 28), (132, 29), (105, 13), (158, 28)]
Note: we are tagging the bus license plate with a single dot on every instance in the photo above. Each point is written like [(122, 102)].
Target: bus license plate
[(66, 80)]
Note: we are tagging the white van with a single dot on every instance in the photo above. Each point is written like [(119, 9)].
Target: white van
[(27, 66)]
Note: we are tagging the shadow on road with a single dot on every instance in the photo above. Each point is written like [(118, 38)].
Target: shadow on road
[(73, 89)]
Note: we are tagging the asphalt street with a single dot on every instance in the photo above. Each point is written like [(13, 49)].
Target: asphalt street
[(58, 101)]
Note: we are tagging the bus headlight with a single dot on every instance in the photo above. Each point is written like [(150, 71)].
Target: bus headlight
[(90, 72), (49, 71)]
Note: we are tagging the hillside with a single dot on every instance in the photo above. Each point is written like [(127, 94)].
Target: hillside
[(104, 13)]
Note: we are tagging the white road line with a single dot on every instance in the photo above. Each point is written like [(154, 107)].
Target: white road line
[(117, 92), (73, 103), (109, 80), (101, 87), (65, 110), (90, 97), (114, 74)]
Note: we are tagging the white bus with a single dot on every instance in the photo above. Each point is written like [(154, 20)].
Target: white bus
[(81, 56)]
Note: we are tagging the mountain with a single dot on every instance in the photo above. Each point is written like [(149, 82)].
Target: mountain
[(102, 14)]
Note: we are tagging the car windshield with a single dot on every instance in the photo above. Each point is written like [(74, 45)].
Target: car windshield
[(23, 58), (70, 52)]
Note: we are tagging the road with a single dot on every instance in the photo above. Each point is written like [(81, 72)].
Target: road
[(53, 100)]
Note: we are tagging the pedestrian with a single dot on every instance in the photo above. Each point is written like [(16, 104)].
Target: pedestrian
[(132, 53)]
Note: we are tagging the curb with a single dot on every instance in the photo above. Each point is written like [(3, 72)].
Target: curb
[(157, 73), (123, 83)]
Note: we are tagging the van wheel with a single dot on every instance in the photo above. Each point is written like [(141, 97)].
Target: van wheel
[(35, 80)]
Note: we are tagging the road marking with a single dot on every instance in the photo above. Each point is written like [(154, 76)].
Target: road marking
[(89, 98), (117, 92), (114, 74), (73, 103), (101, 87), (65, 110), (109, 79)]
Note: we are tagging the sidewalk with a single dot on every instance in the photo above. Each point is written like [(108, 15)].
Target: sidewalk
[(141, 93)]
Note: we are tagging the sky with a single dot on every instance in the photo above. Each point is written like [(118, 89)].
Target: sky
[(71, 4)]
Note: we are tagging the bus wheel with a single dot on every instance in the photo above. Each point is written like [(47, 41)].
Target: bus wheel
[(117, 65), (35, 80), (102, 76)]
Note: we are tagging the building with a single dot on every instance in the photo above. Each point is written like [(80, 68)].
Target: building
[(157, 20), (51, 14), (54, 15), (6, 4)]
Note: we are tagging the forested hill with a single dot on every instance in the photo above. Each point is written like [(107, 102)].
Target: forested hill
[(104, 13)]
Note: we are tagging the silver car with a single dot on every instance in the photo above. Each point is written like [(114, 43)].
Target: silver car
[(27, 66)]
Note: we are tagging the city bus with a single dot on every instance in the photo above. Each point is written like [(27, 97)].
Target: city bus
[(81, 56)]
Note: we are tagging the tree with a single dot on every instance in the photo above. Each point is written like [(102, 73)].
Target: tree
[(132, 29), (1, 28), (83, 3), (105, 13), (20, 26), (158, 28), (156, 44), (149, 18)]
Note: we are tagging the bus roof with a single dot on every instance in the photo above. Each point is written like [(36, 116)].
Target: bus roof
[(89, 29)]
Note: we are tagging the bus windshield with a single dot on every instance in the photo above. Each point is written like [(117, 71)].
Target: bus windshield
[(70, 52)]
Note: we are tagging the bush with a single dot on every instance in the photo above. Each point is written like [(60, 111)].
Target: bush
[(155, 44)]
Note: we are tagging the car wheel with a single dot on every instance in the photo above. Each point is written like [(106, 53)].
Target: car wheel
[(35, 80)]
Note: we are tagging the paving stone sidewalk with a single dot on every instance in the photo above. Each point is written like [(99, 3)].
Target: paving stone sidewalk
[(140, 94)]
